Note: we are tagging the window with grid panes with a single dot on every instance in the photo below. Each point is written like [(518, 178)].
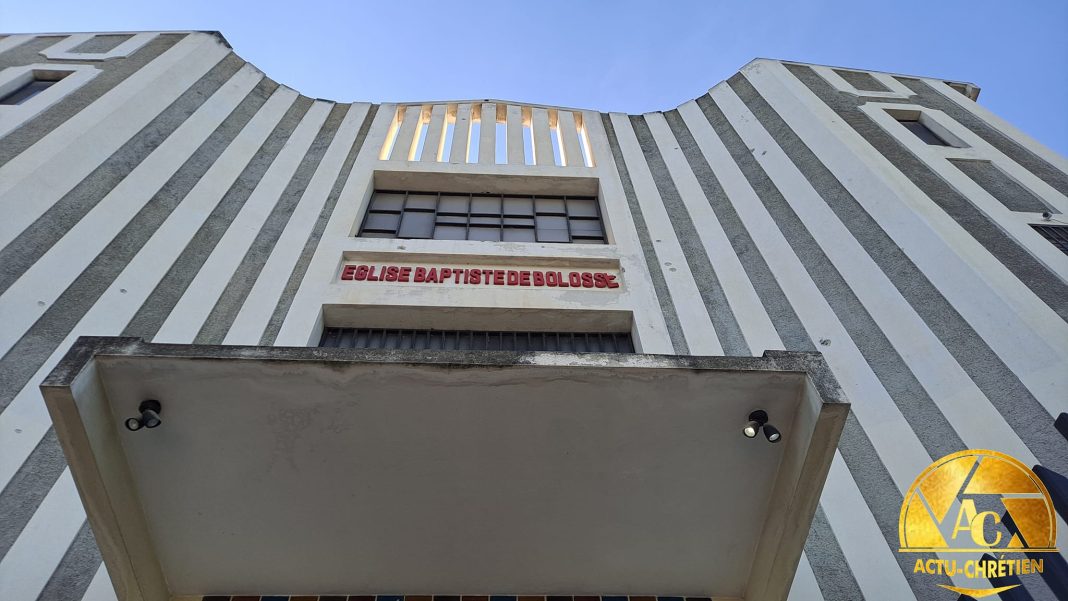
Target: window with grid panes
[(492, 217)]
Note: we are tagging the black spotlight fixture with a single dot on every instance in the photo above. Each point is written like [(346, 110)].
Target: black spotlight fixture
[(150, 410), (758, 420)]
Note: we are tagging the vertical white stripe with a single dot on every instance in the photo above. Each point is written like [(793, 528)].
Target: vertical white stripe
[(256, 312), (39, 287), (753, 320), (100, 588), (28, 565), (693, 316), (120, 302), (805, 587), (650, 329), (1024, 332), (872, 562), (34, 180), (214, 275), (966, 408), (13, 41)]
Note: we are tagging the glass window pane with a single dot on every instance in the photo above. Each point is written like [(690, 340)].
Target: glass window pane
[(416, 225), (587, 240), (483, 205), (484, 233), (378, 235), (582, 207), (552, 235), (452, 219), (382, 221), (519, 221), (518, 206), (585, 227), (450, 232), (549, 206), (518, 235), (387, 201), (924, 133), (426, 202), (488, 221), (552, 223), (453, 204)]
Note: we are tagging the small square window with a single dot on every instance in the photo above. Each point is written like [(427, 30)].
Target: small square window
[(27, 91), (923, 132), (585, 227)]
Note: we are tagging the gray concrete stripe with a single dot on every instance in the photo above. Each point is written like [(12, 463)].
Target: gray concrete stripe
[(29, 486), (719, 310), (1011, 254), (29, 52), (165, 296), (876, 485), (233, 297), (270, 333), (75, 571), (113, 72), (829, 563), (41, 235), (41, 340), (883, 498), (663, 295), (1001, 386), (927, 96), (923, 415), (782, 315)]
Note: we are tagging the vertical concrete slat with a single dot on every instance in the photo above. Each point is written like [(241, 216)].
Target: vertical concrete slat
[(570, 149), (542, 135), (405, 144), (461, 134), (487, 134), (435, 135), (515, 135)]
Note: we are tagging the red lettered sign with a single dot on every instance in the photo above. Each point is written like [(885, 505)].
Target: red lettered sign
[(519, 278)]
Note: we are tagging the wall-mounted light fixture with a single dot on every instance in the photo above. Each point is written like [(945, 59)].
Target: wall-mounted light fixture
[(150, 410), (758, 420)]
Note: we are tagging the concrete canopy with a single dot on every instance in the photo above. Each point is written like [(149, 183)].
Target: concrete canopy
[(304, 470)]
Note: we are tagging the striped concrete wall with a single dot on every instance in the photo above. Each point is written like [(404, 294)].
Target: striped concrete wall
[(180, 195)]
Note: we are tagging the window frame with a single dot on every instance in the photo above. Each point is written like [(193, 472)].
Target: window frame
[(505, 219)]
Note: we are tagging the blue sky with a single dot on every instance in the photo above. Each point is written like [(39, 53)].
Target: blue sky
[(610, 56)]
